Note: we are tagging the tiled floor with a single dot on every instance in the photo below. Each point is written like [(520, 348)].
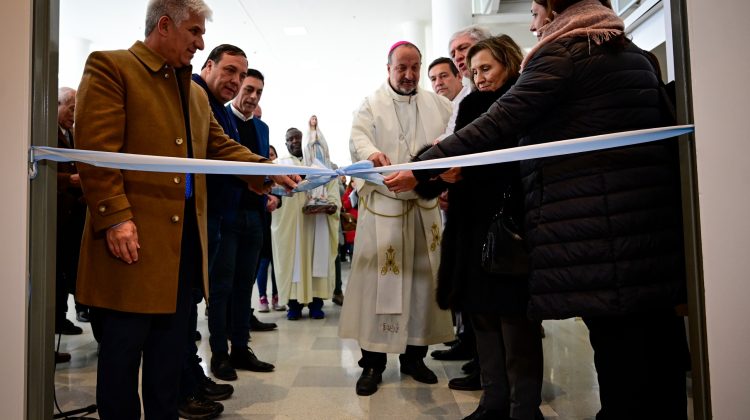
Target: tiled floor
[(316, 372)]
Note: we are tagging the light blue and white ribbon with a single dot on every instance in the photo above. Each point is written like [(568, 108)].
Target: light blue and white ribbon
[(542, 150), (314, 181), (317, 176)]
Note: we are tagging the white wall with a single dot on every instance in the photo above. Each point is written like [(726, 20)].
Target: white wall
[(720, 58), (15, 94)]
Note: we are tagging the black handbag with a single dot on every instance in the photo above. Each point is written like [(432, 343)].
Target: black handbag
[(504, 251)]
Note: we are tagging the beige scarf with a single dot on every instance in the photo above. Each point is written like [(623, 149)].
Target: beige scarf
[(586, 18)]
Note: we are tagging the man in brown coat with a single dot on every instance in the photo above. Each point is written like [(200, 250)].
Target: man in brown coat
[(144, 243)]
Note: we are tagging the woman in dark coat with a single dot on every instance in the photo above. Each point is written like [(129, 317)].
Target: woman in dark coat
[(496, 304), (604, 228)]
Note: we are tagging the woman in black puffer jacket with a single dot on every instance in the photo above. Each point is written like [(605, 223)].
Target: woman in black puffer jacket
[(496, 304), (604, 228)]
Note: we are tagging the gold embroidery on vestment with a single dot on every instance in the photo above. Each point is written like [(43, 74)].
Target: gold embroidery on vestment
[(389, 328), (390, 262), (435, 237)]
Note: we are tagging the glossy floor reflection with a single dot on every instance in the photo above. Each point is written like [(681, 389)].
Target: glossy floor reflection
[(316, 372)]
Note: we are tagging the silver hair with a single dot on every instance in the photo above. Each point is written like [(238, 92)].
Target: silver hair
[(475, 32), (64, 94), (177, 10)]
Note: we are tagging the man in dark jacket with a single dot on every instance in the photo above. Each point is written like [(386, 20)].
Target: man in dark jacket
[(221, 77), (234, 228)]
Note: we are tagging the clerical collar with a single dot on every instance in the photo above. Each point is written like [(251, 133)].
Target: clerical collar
[(240, 115), (401, 94)]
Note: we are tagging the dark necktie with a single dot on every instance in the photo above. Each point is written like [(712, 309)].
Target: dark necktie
[(188, 185)]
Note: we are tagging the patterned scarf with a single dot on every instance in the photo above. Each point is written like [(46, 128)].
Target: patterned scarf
[(586, 18)]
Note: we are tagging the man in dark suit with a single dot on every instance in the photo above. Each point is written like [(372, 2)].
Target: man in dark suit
[(144, 243), (71, 213)]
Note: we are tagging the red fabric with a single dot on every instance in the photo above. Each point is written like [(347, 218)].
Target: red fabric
[(346, 205)]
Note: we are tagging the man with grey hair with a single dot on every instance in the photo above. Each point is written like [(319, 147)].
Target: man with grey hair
[(458, 46), (138, 279), (465, 347), (461, 41), (70, 215)]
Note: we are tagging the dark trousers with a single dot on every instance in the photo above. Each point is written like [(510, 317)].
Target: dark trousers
[(465, 329), (62, 289), (377, 360), (231, 280), (640, 364), (511, 363), (192, 372), (69, 231), (158, 339), (337, 284)]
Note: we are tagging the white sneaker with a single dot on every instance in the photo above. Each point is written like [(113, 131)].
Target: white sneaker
[(263, 307)]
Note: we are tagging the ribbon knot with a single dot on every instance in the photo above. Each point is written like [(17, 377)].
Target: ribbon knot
[(354, 170)]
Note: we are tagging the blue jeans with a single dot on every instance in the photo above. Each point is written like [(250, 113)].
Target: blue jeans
[(231, 280), (263, 277)]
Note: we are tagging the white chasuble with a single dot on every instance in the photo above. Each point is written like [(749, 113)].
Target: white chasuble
[(304, 245), (390, 296)]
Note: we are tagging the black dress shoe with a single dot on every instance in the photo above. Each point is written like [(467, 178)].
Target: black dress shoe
[(67, 327), (470, 366), (213, 391), (482, 413), (247, 360), (467, 383), (62, 357), (367, 384), (459, 351), (419, 371), (222, 368), (258, 325), (338, 299), (198, 408)]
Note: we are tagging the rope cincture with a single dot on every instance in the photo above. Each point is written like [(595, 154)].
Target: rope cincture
[(410, 204)]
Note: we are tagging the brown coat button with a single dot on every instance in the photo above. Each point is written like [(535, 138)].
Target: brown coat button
[(102, 209), (178, 140), (176, 180), (166, 75), (175, 218)]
